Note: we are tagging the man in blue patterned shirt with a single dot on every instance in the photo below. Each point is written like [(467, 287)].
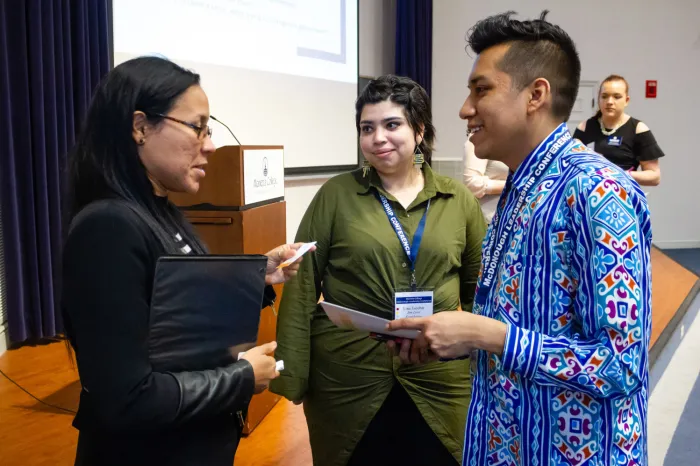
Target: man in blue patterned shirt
[(561, 322)]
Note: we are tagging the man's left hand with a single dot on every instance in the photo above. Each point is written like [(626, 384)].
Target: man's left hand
[(453, 334)]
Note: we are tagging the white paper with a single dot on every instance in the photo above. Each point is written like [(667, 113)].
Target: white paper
[(300, 252), (347, 318)]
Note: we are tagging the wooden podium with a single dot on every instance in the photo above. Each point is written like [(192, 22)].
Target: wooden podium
[(229, 223)]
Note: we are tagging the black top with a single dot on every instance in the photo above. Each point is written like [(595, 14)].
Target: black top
[(128, 413), (625, 147)]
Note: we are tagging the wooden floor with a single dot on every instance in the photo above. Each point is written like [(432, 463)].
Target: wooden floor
[(671, 283), (32, 434)]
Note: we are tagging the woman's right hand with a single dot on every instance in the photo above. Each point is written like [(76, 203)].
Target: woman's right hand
[(264, 365), (412, 351)]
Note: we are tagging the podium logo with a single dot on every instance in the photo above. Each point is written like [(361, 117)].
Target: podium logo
[(265, 181)]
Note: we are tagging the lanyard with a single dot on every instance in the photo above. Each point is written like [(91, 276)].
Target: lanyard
[(412, 250), (494, 250)]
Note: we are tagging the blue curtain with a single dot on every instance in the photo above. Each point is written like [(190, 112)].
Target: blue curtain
[(52, 55), (414, 41)]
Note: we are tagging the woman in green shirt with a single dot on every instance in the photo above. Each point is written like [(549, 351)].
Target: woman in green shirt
[(362, 405)]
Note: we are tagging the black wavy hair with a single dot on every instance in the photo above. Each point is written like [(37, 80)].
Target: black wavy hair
[(411, 96), (538, 49)]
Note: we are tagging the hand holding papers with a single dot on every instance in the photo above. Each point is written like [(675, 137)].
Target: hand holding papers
[(283, 262), (306, 247), (349, 318)]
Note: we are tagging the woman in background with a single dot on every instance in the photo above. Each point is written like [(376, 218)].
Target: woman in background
[(485, 179), (625, 141), (363, 407), (145, 134)]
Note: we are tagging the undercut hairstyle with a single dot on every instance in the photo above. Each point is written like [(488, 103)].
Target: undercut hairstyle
[(538, 49)]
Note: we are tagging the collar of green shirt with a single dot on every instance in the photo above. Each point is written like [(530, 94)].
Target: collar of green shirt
[(433, 184)]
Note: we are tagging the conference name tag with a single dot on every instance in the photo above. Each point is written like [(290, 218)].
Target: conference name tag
[(614, 141), (413, 304)]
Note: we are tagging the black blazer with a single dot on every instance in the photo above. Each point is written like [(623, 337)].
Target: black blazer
[(130, 414)]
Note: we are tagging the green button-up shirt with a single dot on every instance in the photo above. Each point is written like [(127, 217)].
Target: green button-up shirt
[(343, 375)]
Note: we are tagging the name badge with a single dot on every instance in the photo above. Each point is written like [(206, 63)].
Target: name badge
[(413, 304), (614, 141)]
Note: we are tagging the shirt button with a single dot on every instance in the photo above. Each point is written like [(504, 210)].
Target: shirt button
[(404, 265)]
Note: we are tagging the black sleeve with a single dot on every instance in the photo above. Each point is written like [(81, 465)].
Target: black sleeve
[(646, 148), (107, 270), (583, 136), (269, 296)]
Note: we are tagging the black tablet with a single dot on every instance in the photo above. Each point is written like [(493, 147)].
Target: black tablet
[(204, 310)]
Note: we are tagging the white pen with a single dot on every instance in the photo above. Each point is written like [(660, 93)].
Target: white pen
[(279, 365)]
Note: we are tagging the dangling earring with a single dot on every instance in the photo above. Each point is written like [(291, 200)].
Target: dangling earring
[(418, 158), (366, 167)]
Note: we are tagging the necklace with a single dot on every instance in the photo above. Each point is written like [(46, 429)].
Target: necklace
[(607, 132)]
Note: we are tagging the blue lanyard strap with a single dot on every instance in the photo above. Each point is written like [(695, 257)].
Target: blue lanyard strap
[(495, 249), (410, 250)]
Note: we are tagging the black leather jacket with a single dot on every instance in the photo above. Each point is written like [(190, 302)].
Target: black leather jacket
[(187, 440), (130, 413)]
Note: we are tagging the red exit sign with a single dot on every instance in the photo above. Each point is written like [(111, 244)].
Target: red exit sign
[(651, 89)]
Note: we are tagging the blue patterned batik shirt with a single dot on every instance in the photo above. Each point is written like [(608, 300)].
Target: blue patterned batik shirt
[(566, 265)]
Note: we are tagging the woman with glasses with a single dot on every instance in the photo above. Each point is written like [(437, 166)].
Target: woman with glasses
[(145, 134)]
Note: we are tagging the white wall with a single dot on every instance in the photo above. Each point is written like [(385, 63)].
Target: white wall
[(377, 37), (640, 40), (377, 20)]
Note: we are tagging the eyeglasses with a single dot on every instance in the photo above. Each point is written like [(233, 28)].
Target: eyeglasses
[(200, 130)]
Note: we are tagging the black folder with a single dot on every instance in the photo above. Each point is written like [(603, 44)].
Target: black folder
[(204, 310)]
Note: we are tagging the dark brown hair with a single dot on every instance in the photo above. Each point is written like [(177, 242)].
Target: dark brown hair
[(612, 77), (411, 96)]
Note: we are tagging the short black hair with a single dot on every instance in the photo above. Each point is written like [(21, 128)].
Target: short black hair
[(411, 96), (539, 49)]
